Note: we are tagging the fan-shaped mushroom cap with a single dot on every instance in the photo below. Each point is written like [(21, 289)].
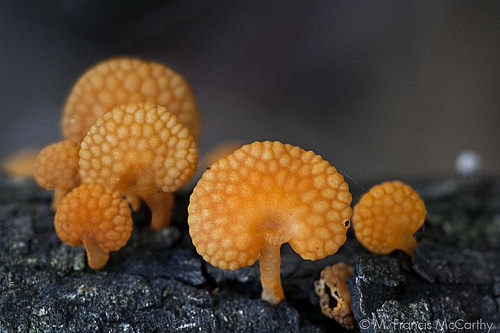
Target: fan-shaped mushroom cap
[(97, 217), (332, 284), (263, 195), (387, 216), (140, 149), (57, 168), (125, 80)]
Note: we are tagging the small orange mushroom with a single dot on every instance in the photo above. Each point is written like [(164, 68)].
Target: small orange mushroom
[(97, 217), (261, 196), (57, 168), (143, 151), (332, 284), (126, 80), (387, 216), (21, 163)]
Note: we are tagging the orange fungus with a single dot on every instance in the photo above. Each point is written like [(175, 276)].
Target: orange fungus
[(387, 216), (97, 217), (143, 151), (261, 196), (57, 168), (127, 80)]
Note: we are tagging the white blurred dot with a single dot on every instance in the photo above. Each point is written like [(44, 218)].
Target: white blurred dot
[(468, 162)]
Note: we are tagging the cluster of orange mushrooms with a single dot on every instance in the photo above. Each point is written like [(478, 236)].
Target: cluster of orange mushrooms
[(130, 128), (130, 131)]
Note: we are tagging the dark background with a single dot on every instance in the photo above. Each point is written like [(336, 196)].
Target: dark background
[(378, 88)]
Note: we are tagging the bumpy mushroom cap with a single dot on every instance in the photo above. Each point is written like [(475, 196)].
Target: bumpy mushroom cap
[(96, 216), (127, 80), (142, 150), (57, 168), (261, 196), (332, 284), (387, 216)]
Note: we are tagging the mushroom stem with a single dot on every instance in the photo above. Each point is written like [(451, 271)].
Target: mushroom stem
[(97, 258), (59, 194), (408, 245), (270, 261), (160, 203), (161, 206), (133, 200)]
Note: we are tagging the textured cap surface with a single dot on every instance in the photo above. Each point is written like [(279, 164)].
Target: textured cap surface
[(387, 216), (138, 141), (125, 80), (57, 166), (268, 191), (97, 213)]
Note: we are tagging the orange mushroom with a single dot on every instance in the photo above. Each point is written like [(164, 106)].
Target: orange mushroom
[(387, 216), (143, 151), (21, 163), (57, 168), (97, 217), (126, 80), (332, 284), (261, 196)]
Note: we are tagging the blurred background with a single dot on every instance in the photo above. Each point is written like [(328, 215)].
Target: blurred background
[(378, 88)]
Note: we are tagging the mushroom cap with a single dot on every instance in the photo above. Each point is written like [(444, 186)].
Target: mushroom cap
[(387, 216), (57, 166), (268, 192), (335, 277), (135, 141), (125, 80), (92, 211)]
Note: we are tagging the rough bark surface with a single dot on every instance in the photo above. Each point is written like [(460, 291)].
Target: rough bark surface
[(158, 283)]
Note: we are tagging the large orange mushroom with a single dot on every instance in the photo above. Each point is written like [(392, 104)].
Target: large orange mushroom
[(261, 196), (127, 80), (143, 151)]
